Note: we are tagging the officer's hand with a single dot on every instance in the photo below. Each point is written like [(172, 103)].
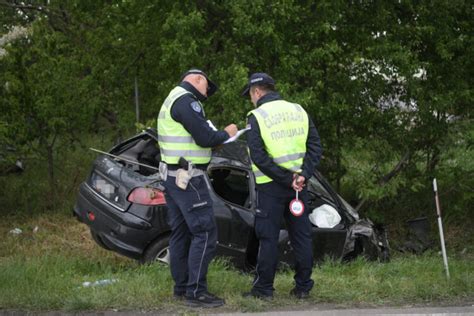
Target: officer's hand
[(298, 182), (231, 129)]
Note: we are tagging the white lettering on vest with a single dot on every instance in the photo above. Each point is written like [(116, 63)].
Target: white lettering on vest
[(283, 118), (287, 133)]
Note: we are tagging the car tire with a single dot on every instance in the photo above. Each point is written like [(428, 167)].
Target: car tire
[(373, 252), (98, 240), (157, 251)]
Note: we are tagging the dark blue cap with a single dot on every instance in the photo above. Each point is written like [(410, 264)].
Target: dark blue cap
[(211, 86), (257, 78)]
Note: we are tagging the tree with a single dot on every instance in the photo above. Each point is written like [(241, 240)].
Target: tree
[(387, 83)]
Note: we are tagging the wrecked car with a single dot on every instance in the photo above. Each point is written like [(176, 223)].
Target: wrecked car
[(122, 202)]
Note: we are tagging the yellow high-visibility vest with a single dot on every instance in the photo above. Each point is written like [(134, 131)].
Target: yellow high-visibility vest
[(173, 139), (284, 130)]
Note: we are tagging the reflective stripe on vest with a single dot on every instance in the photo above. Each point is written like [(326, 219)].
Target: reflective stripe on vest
[(173, 139), (284, 130)]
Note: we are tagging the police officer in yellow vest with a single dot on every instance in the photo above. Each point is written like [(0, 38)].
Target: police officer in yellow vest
[(184, 132), (284, 149)]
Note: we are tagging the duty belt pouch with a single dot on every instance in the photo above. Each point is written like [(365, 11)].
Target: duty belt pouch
[(182, 178), (163, 170)]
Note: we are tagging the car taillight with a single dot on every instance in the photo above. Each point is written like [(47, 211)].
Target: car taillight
[(147, 196)]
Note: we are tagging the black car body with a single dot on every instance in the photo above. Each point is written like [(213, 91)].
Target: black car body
[(123, 204)]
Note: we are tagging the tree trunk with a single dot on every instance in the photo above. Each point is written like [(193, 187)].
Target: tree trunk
[(338, 158), (51, 179), (49, 151)]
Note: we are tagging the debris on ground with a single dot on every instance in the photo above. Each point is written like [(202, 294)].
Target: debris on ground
[(99, 282), (16, 231)]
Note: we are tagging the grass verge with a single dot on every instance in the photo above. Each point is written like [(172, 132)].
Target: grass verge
[(44, 267)]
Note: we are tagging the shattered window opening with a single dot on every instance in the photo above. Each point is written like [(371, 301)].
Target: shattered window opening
[(231, 184)]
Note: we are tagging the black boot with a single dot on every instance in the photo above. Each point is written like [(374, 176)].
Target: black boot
[(299, 293), (204, 299), (256, 294)]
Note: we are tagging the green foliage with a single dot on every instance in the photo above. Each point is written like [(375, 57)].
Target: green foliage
[(28, 193), (366, 162), (456, 173), (381, 80)]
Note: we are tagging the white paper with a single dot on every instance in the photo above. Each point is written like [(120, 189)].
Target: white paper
[(236, 136)]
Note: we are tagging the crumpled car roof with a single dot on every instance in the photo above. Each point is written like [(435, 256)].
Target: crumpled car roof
[(235, 151)]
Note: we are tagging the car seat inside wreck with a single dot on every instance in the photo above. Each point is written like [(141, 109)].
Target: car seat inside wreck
[(231, 185)]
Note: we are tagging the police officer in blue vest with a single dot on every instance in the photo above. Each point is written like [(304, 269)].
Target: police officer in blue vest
[(185, 139), (284, 148)]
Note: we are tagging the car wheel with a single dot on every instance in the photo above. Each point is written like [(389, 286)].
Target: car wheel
[(98, 240), (158, 251), (375, 252), (361, 248)]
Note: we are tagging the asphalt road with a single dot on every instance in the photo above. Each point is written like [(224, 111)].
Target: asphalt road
[(455, 310), (318, 311)]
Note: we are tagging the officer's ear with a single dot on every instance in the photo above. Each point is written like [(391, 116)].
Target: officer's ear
[(256, 91)]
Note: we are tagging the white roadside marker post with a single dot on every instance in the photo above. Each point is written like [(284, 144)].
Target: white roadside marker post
[(440, 226)]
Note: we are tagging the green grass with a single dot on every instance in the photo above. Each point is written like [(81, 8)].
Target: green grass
[(44, 270)]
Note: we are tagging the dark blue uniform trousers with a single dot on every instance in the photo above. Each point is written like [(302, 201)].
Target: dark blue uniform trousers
[(193, 234), (270, 210)]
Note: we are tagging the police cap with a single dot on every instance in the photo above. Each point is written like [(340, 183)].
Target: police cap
[(257, 79), (211, 86)]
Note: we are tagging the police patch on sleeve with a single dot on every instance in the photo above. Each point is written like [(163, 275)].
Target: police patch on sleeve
[(196, 106)]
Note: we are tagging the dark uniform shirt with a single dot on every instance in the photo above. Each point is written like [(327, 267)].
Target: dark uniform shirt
[(282, 178), (187, 111)]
